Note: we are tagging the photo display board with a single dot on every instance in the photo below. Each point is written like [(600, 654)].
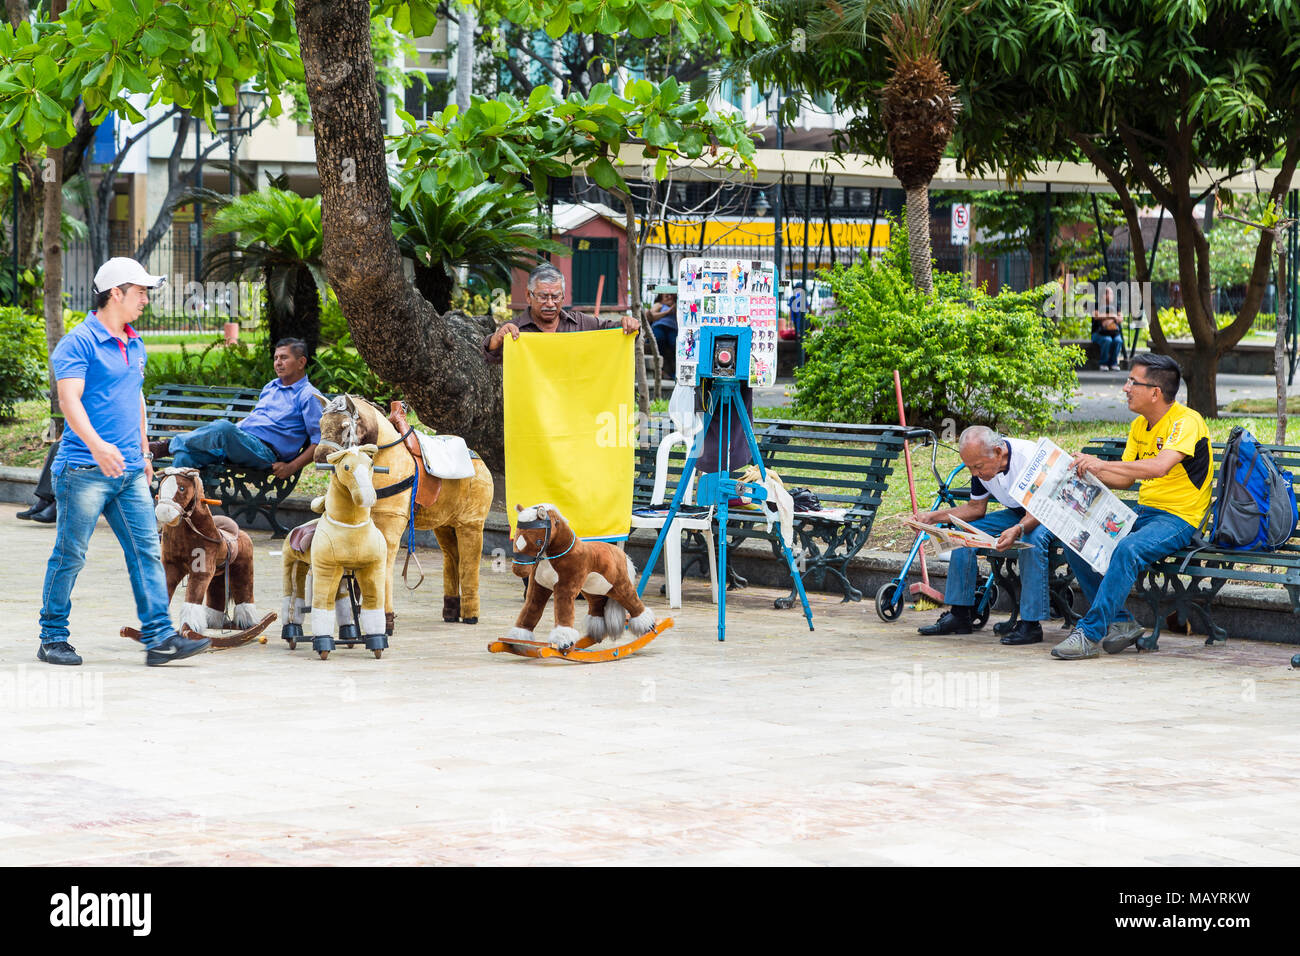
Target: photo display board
[(727, 292)]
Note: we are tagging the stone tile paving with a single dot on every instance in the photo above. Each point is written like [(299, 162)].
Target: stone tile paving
[(862, 743)]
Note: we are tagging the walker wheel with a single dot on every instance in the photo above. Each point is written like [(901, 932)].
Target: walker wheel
[(324, 655), (292, 645), (889, 601), (378, 652), (984, 606)]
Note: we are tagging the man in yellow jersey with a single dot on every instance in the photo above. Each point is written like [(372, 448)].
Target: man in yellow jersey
[(1168, 451)]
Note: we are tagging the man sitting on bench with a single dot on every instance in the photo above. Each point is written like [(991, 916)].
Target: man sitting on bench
[(1168, 451), (286, 417), (994, 463)]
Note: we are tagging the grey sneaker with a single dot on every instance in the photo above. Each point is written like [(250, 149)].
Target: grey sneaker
[(1121, 634), (1075, 647)]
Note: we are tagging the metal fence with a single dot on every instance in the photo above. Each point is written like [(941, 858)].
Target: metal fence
[(184, 303)]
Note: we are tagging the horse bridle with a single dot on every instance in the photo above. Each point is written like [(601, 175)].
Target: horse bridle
[(354, 427), (546, 540), (194, 503)]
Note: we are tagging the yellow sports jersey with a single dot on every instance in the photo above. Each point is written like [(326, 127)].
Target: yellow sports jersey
[(1185, 490)]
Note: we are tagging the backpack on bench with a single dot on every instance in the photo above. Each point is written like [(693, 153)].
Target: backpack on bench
[(1254, 505)]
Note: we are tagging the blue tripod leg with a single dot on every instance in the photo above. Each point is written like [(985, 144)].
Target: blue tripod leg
[(682, 484), (798, 581)]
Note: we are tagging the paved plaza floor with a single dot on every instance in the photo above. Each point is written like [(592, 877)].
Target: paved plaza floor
[(861, 743)]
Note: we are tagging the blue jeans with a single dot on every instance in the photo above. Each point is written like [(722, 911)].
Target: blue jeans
[(963, 567), (219, 442), (667, 341), (1156, 534), (83, 494), (1110, 346)]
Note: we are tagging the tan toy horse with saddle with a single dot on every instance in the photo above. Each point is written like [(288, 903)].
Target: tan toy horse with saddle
[(453, 494), (343, 539)]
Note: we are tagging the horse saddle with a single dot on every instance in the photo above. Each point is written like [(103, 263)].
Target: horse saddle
[(429, 486), (300, 537), (228, 531)]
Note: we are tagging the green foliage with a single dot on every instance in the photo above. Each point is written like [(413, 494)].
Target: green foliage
[(488, 229), (339, 369), (1232, 247), (333, 324), (962, 355), (279, 233), (507, 139), (239, 365), (1174, 324), (194, 54), (22, 358)]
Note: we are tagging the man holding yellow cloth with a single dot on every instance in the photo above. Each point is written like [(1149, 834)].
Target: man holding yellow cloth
[(569, 411)]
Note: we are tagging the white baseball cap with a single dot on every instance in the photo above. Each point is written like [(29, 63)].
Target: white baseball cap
[(121, 271)]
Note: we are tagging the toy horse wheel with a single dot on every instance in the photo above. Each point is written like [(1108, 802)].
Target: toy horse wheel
[(324, 655), (292, 645), (378, 652)]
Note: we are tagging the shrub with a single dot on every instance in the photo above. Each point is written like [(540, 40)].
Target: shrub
[(1174, 324), (22, 358), (963, 355), (239, 365), (338, 369)]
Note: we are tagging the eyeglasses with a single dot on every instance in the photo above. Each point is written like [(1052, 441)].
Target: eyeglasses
[(1133, 381), (547, 296)]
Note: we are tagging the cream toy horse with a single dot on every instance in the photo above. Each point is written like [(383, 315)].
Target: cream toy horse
[(345, 538)]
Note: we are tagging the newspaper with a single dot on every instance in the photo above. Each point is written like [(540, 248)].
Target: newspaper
[(1078, 509), (965, 535)]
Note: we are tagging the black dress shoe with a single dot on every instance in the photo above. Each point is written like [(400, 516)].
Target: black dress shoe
[(60, 652), (41, 505), (951, 622), (47, 515), (175, 648), (1026, 632)]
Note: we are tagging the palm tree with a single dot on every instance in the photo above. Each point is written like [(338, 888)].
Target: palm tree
[(279, 237), (918, 104), (487, 229)]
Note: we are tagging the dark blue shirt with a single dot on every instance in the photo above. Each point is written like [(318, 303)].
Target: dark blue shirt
[(113, 372)]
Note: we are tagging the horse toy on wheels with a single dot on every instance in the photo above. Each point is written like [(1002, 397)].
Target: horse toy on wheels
[(561, 563), (344, 538)]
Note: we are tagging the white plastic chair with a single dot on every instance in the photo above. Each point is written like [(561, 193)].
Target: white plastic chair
[(672, 550)]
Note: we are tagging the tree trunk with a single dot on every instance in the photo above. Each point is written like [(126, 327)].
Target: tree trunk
[(918, 237), (465, 58), (434, 359), (435, 285), (1279, 341), (1202, 378), (52, 244), (634, 300)]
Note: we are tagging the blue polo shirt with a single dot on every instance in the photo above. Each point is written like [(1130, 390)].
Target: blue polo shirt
[(113, 372), (286, 417)]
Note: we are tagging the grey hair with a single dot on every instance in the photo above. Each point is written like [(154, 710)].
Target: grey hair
[(545, 273), (985, 438)]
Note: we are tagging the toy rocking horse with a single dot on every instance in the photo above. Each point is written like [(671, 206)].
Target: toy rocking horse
[(560, 562), (214, 554), (345, 538)]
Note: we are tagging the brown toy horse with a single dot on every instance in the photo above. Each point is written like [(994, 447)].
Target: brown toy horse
[(560, 562), (209, 549)]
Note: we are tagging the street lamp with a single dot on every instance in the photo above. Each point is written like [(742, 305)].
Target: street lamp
[(241, 124)]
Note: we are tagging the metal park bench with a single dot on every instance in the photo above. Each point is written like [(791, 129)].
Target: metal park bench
[(1187, 581), (847, 466), (244, 492)]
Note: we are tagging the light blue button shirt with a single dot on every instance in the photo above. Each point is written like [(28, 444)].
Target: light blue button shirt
[(286, 417)]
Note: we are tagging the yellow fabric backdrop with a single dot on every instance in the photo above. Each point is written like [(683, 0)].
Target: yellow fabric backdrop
[(570, 427)]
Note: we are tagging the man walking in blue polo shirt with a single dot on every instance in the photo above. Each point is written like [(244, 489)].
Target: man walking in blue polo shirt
[(272, 437), (102, 467)]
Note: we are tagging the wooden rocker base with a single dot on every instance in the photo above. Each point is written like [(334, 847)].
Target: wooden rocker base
[(579, 653), (238, 639)]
